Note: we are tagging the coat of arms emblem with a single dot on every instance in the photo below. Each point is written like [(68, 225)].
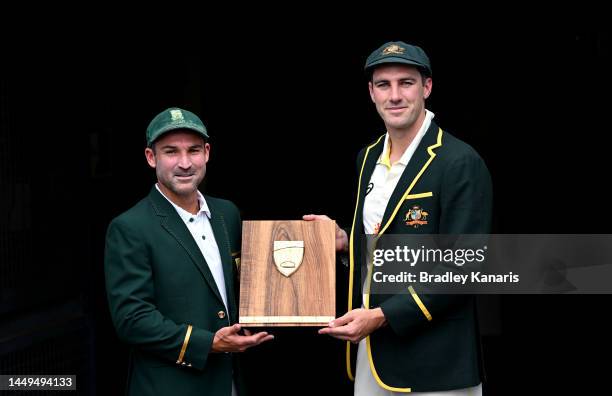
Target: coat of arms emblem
[(416, 217)]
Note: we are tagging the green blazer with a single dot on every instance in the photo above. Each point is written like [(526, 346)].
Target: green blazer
[(431, 342), (164, 301)]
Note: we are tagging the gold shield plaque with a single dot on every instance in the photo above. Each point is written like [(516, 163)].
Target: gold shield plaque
[(288, 256)]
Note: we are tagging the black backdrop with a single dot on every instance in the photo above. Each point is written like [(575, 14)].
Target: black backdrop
[(287, 114)]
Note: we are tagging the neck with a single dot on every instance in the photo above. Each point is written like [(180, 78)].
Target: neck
[(188, 202), (402, 137)]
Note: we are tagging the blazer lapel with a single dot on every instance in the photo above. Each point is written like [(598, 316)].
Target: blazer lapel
[(173, 224), (369, 163), (217, 222), (365, 172), (417, 165)]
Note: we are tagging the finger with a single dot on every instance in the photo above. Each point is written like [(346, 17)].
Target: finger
[(341, 321), (246, 332), (269, 337), (310, 217), (336, 331), (254, 339), (344, 337)]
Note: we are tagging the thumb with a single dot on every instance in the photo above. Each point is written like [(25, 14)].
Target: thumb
[(234, 329)]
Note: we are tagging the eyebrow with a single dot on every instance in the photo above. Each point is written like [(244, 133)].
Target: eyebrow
[(409, 78), (172, 147)]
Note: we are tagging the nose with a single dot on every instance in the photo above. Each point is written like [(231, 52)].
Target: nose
[(395, 93), (184, 161)]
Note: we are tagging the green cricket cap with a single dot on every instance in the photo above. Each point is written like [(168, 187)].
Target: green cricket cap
[(172, 119), (399, 52)]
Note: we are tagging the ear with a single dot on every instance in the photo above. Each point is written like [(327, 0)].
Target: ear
[(206, 152), (427, 87), (150, 156), (371, 88)]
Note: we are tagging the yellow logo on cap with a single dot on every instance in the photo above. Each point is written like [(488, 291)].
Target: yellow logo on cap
[(177, 115), (393, 49)]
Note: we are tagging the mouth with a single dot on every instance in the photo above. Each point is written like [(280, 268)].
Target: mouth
[(184, 177), (396, 109)]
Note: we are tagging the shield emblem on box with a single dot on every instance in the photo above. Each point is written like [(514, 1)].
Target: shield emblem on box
[(288, 256)]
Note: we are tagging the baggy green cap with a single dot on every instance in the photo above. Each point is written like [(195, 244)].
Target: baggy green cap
[(172, 119), (399, 52)]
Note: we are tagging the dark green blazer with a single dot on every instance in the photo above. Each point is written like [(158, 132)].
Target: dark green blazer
[(164, 301), (431, 342)]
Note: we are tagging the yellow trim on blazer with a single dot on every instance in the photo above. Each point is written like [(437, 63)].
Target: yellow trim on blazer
[(352, 259), (432, 155), (417, 196), (184, 347), (417, 299), (375, 374)]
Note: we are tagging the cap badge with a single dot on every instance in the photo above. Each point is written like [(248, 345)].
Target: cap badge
[(393, 49), (416, 217), (177, 115)]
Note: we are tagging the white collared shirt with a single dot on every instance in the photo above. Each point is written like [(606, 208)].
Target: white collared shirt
[(201, 231), (385, 177)]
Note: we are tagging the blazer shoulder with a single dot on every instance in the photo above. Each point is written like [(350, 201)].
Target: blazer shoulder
[(226, 206), (135, 215), (361, 154), (455, 149)]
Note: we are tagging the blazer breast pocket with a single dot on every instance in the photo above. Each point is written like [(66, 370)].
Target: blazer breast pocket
[(417, 212), (420, 195)]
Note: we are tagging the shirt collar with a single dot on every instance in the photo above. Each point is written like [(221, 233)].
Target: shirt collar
[(185, 215), (384, 158)]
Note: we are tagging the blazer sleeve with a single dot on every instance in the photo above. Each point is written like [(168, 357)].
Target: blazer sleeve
[(466, 208), (130, 292)]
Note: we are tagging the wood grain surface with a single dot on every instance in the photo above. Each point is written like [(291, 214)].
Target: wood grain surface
[(308, 296)]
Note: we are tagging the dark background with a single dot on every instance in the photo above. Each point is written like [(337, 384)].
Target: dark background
[(287, 112)]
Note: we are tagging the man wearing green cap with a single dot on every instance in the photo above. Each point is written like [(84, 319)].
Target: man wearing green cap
[(170, 268), (414, 179)]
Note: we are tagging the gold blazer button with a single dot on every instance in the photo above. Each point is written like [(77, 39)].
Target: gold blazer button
[(221, 314)]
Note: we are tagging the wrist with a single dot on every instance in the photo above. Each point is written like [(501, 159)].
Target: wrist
[(379, 317)]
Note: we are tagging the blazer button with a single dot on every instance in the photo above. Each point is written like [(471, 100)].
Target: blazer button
[(221, 314)]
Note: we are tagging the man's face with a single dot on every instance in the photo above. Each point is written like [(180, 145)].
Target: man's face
[(180, 162), (399, 94)]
